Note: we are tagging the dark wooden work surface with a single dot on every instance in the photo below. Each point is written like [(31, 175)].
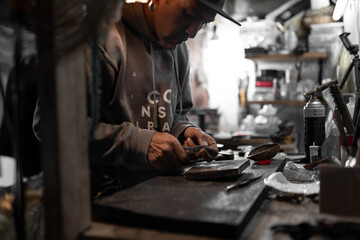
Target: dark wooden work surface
[(275, 212), (272, 212), (173, 203), (233, 143), (305, 219), (258, 225)]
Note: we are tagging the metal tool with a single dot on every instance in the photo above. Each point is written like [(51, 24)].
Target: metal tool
[(243, 182), (195, 149)]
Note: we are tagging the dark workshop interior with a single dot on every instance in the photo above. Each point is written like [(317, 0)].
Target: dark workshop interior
[(179, 119)]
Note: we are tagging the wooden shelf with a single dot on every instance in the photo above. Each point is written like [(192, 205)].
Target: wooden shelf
[(309, 56), (279, 102)]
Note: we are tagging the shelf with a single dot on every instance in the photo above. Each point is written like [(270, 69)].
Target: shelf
[(309, 56), (279, 102)]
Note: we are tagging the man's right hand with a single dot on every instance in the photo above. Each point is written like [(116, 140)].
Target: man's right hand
[(166, 153)]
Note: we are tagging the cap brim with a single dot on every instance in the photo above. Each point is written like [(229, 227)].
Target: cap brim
[(219, 11)]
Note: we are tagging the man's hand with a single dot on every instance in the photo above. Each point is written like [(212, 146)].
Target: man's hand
[(195, 136), (166, 153)]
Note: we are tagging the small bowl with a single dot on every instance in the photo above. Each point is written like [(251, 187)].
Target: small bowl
[(265, 151)]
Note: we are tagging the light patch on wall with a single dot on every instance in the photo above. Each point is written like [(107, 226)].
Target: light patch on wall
[(224, 63)]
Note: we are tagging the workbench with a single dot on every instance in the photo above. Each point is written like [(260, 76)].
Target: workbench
[(172, 207), (270, 213), (175, 206), (235, 142)]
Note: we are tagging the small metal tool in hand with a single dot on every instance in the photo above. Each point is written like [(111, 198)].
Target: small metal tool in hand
[(195, 149), (242, 182)]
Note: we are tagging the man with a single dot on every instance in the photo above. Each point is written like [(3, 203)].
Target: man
[(146, 94), (146, 91)]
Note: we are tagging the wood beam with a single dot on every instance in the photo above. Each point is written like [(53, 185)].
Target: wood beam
[(63, 126)]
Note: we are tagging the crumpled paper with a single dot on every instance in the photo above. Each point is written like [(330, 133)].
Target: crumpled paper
[(278, 181), (297, 173)]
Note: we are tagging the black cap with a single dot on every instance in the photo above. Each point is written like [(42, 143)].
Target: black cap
[(217, 5)]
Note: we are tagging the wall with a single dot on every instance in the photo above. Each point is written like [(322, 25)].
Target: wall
[(224, 65), (224, 62)]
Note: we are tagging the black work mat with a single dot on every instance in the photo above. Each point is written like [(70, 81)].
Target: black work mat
[(173, 203)]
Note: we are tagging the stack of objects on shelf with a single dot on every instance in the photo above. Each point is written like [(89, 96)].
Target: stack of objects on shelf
[(324, 37)]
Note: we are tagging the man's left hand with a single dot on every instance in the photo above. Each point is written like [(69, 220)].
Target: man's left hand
[(195, 136)]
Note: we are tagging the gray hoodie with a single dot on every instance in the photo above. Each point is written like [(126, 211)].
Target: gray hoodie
[(145, 88), (148, 90)]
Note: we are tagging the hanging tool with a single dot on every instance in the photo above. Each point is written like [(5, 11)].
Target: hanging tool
[(243, 181)]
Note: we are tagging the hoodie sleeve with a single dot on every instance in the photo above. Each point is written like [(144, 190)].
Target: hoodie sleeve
[(116, 142), (185, 104), (122, 144)]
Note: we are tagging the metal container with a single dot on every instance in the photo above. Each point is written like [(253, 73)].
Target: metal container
[(314, 125)]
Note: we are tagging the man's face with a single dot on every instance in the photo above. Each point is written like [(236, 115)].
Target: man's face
[(177, 20)]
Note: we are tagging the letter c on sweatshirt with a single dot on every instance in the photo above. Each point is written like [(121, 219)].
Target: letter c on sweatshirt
[(152, 93), (167, 94)]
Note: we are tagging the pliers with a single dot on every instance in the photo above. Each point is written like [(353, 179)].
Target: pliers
[(195, 149)]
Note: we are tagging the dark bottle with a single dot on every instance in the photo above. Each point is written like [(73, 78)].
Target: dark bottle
[(314, 125)]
